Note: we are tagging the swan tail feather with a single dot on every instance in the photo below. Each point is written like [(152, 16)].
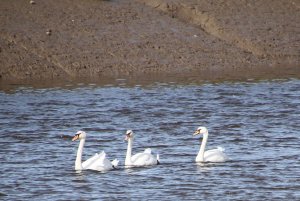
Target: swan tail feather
[(115, 163), (221, 149), (148, 151)]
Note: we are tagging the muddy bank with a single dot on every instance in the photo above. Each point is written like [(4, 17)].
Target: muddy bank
[(93, 39)]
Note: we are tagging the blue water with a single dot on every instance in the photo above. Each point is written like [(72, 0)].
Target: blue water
[(258, 123)]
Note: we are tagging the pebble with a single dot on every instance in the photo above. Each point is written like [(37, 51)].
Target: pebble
[(48, 32), (32, 2)]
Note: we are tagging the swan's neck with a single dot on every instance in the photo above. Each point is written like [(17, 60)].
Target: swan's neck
[(78, 164), (200, 156), (128, 154)]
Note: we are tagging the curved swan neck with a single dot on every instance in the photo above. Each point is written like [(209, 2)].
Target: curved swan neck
[(78, 164), (200, 156), (128, 154)]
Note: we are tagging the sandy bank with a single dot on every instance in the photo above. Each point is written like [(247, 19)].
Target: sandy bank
[(69, 40)]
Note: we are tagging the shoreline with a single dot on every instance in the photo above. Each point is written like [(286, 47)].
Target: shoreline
[(152, 79)]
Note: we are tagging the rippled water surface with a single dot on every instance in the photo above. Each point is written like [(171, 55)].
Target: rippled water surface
[(257, 123)]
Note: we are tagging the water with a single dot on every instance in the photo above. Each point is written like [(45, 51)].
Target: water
[(257, 123)]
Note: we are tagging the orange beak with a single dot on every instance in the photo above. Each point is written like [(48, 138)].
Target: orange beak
[(75, 138), (126, 137), (196, 132)]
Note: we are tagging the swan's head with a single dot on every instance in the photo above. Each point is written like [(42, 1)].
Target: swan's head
[(200, 130), (129, 135), (79, 135)]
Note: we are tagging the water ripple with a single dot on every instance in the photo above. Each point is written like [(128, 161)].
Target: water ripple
[(257, 123)]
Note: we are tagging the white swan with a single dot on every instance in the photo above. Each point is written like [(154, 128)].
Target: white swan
[(98, 162), (140, 159), (213, 155)]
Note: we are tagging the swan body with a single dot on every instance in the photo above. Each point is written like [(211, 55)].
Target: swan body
[(98, 162), (140, 159), (213, 155)]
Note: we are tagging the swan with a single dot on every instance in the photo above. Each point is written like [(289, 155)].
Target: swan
[(98, 162), (213, 155), (140, 159)]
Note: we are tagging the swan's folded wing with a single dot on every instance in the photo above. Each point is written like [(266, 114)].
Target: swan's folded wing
[(148, 151), (212, 151), (101, 163), (141, 159), (136, 157), (221, 149), (215, 155), (89, 162)]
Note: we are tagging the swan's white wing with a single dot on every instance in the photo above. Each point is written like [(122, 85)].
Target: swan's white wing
[(102, 165), (148, 150), (143, 159), (221, 149), (215, 155), (86, 164), (98, 162)]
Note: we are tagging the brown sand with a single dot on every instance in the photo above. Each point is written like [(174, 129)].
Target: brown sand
[(144, 39)]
